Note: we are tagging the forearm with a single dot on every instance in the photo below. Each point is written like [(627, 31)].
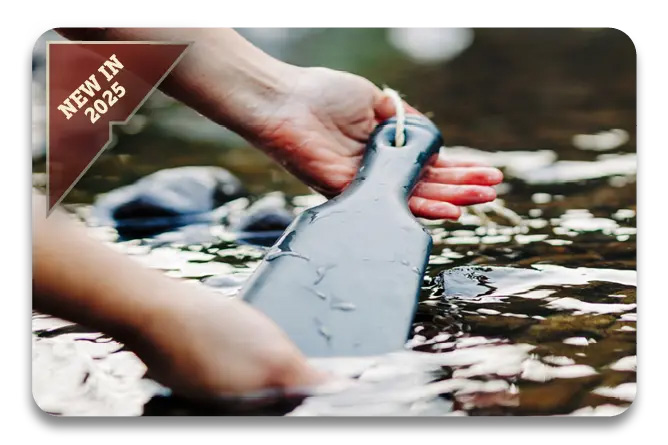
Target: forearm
[(79, 279), (222, 75), (188, 336)]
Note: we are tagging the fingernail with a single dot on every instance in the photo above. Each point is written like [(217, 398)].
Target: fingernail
[(495, 176)]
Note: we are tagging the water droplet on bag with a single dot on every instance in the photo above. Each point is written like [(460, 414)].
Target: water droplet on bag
[(320, 273), (342, 305), (322, 330)]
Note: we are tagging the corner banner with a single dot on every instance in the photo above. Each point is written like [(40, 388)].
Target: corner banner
[(91, 86)]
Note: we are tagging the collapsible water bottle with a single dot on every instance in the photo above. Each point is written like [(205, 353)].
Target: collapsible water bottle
[(345, 276)]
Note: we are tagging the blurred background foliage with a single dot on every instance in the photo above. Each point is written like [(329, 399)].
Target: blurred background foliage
[(491, 89)]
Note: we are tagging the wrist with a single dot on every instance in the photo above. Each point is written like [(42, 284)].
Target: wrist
[(160, 312), (259, 85)]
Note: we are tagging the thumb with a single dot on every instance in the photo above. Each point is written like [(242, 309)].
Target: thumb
[(383, 106)]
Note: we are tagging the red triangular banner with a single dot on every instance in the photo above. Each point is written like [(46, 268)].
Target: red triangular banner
[(91, 86)]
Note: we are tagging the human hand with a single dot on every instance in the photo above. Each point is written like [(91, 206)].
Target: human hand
[(203, 345), (313, 121), (318, 128)]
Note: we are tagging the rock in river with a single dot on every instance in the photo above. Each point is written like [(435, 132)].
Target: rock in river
[(167, 199), (264, 221)]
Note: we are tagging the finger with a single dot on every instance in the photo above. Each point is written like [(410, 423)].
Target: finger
[(384, 108), (430, 209), (443, 162), (463, 175), (461, 195)]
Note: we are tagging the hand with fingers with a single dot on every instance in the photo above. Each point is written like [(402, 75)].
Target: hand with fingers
[(320, 130), (314, 121)]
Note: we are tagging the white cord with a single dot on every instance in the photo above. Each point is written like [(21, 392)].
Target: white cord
[(400, 136)]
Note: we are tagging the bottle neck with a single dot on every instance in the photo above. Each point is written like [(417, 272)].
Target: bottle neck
[(387, 170)]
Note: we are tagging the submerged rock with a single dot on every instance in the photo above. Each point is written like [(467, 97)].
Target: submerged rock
[(166, 199), (563, 326), (264, 221), (496, 325)]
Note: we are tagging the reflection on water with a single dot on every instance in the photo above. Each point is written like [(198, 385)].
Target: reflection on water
[(535, 315), (543, 322)]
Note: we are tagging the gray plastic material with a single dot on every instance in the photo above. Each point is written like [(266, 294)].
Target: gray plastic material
[(345, 276)]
